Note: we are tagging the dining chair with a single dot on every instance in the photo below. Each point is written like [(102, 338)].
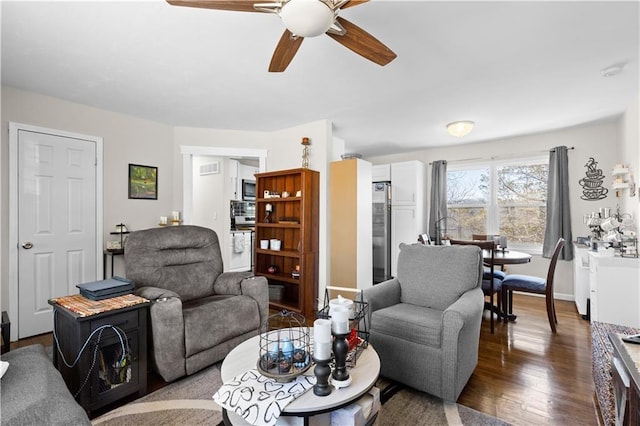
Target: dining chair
[(533, 284), (491, 283)]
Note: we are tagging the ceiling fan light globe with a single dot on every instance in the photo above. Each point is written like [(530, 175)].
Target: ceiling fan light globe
[(307, 18)]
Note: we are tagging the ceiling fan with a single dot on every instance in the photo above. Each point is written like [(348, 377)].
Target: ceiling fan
[(306, 18)]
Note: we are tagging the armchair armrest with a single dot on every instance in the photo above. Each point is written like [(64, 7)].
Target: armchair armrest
[(460, 340), (167, 331), (258, 289), (230, 282), (466, 310), (156, 293), (382, 295)]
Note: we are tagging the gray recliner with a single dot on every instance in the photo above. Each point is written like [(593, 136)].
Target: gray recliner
[(199, 313), (425, 323)]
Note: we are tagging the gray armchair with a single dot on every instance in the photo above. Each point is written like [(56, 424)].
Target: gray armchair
[(425, 323), (198, 312)]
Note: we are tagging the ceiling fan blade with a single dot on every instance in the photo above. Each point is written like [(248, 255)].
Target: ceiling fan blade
[(237, 5), (285, 51), (363, 43), (353, 3)]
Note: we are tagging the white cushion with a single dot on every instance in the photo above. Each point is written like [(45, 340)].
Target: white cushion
[(3, 367)]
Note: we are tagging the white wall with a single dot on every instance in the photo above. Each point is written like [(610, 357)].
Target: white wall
[(127, 140), (630, 154), (598, 140)]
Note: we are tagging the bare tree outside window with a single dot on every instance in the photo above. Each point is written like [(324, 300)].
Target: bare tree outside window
[(515, 194), (467, 202)]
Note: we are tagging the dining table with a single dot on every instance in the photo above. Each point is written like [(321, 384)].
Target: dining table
[(506, 257), (502, 258)]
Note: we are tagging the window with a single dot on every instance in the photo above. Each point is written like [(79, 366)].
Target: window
[(499, 198)]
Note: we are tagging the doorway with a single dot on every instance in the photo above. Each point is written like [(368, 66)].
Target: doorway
[(55, 220), (190, 155)]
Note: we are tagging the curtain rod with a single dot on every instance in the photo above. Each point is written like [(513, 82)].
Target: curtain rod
[(499, 157)]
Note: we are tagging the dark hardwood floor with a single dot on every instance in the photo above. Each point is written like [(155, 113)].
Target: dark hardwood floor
[(526, 375)]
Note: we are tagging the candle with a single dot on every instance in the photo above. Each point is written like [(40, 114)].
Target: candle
[(339, 320), (322, 350), (176, 215), (341, 301), (322, 339)]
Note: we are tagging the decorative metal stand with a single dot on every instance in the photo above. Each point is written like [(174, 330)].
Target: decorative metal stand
[(358, 339), (322, 372)]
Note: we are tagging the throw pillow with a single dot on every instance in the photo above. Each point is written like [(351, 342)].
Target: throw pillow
[(3, 368)]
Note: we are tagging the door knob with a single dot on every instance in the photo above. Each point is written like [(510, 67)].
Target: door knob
[(27, 245)]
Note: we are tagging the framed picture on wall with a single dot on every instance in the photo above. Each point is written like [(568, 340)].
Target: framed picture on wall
[(143, 182)]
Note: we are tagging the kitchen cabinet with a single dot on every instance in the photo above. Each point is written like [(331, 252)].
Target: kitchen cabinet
[(614, 289), (404, 225), (233, 181), (408, 206), (293, 220), (381, 173), (408, 183), (350, 213), (238, 172), (581, 279)]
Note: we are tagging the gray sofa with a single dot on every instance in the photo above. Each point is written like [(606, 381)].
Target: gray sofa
[(425, 323), (34, 392), (198, 312)]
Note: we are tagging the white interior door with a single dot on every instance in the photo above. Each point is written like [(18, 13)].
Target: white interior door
[(57, 213)]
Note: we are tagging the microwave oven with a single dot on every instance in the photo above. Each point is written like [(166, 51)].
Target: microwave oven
[(248, 189)]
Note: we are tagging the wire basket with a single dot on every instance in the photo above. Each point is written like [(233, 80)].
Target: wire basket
[(358, 338), (284, 347)]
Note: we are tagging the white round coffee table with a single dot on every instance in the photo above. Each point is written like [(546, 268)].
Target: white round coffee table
[(244, 357)]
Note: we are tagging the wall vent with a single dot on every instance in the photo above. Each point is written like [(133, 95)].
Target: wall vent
[(210, 169)]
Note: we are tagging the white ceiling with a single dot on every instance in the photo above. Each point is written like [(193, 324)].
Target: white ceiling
[(512, 67)]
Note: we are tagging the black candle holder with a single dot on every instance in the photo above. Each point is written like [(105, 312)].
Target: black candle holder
[(340, 377), (322, 372)]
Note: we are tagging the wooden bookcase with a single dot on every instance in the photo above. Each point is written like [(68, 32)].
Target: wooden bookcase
[(294, 221)]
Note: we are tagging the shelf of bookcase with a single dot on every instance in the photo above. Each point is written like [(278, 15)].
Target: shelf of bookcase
[(283, 253)]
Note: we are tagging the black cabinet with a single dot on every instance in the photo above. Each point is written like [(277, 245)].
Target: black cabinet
[(113, 363)]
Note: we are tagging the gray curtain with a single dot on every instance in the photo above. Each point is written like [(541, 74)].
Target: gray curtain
[(438, 204), (558, 206)]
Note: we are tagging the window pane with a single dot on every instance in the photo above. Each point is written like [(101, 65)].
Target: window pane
[(464, 221), (522, 184), (468, 186), (523, 225)]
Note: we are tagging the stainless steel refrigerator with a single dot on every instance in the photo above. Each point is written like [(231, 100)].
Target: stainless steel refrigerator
[(381, 231)]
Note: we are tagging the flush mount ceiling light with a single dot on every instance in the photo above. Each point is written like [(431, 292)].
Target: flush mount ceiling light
[(460, 128), (613, 70)]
